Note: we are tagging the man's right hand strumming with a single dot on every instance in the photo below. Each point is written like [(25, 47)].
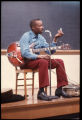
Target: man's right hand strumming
[(44, 56)]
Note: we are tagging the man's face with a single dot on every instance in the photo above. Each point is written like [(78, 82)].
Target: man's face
[(38, 27)]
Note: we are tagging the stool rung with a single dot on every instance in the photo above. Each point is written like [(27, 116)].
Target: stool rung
[(26, 79), (26, 85), (20, 85), (29, 85)]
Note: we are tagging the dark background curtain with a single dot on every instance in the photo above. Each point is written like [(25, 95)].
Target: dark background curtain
[(15, 18)]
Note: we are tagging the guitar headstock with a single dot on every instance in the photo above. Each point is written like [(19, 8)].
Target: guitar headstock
[(65, 47)]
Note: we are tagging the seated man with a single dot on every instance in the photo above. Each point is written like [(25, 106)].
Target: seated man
[(34, 39)]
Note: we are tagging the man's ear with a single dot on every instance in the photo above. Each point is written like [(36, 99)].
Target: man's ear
[(33, 28)]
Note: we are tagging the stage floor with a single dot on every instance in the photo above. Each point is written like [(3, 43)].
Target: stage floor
[(32, 108)]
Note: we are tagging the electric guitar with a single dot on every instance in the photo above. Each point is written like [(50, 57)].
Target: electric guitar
[(15, 57)]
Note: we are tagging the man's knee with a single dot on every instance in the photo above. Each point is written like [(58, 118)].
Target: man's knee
[(59, 61), (43, 62)]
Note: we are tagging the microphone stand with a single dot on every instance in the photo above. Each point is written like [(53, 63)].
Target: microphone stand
[(52, 97), (50, 35), (50, 64)]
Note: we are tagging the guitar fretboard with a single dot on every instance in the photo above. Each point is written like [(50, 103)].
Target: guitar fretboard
[(45, 49)]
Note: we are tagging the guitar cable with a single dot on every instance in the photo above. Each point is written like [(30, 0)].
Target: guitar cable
[(66, 74)]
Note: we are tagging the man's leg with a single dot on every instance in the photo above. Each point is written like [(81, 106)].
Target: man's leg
[(42, 65), (61, 76), (60, 71)]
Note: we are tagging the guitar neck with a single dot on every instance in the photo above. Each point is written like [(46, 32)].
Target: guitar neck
[(45, 49)]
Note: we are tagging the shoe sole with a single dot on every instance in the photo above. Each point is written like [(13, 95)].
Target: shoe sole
[(44, 99)]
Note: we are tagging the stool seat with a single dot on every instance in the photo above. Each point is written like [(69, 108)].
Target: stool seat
[(26, 70)]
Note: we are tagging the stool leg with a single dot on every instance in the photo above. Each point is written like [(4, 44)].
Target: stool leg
[(32, 83), (25, 89), (16, 81)]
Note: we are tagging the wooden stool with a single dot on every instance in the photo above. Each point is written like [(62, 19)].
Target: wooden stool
[(25, 71)]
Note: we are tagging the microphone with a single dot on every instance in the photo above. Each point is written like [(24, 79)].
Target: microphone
[(49, 32)]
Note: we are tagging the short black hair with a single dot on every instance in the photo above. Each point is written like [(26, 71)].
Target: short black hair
[(32, 22)]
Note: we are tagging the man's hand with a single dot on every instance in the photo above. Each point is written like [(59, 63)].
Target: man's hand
[(59, 34), (44, 56)]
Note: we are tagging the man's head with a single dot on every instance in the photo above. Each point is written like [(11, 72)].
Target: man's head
[(37, 26)]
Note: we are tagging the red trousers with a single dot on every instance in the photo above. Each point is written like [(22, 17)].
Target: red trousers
[(43, 65)]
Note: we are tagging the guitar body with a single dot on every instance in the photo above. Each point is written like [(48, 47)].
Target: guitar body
[(14, 54)]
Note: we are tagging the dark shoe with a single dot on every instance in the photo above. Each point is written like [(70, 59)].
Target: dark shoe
[(60, 92), (54, 97), (43, 96)]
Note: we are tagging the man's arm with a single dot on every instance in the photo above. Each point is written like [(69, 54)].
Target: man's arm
[(25, 50)]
